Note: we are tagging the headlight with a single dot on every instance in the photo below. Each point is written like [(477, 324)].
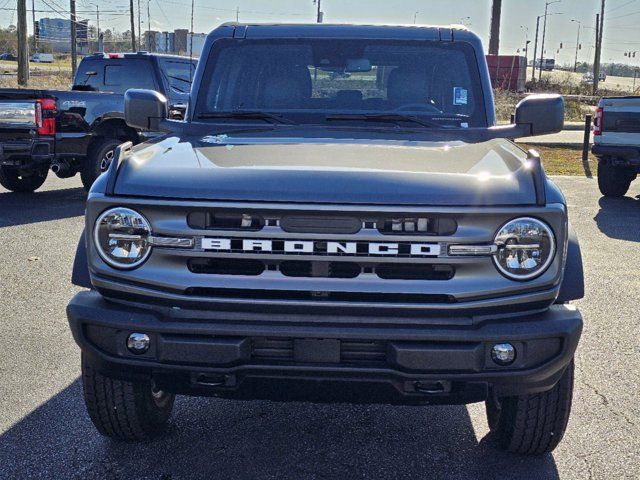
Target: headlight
[(526, 248), (121, 236)]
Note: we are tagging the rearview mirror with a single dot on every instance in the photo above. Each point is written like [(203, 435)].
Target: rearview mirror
[(540, 114), (145, 109)]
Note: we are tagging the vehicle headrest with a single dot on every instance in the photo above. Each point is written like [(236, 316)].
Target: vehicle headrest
[(288, 86), (407, 85)]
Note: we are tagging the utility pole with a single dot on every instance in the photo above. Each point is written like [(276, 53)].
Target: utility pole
[(319, 15), (494, 39), (191, 40), (148, 26), (575, 63), (544, 33), (133, 26), (23, 44), (596, 65), (33, 16), (535, 50), (139, 28), (98, 25), (74, 52), (599, 35), (237, 14)]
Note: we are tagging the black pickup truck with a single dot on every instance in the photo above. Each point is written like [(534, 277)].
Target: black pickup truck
[(77, 131)]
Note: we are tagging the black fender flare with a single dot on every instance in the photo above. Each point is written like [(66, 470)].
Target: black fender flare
[(80, 273), (572, 287)]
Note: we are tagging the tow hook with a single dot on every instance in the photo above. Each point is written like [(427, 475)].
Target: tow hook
[(212, 380), (432, 388)]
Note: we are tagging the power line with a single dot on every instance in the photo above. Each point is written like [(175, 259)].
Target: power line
[(233, 10), (621, 6), (164, 14)]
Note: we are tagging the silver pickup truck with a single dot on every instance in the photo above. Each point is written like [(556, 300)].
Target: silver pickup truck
[(616, 136)]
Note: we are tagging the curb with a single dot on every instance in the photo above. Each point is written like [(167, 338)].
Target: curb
[(551, 144)]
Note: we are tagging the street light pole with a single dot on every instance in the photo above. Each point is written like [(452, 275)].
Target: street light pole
[(575, 63), (544, 33)]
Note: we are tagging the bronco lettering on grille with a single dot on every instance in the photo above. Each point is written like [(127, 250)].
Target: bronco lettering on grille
[(314, 247)]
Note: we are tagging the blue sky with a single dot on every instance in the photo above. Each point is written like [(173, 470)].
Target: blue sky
[(518, 18)]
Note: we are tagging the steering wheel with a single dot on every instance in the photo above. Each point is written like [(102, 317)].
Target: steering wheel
[(417, 106)]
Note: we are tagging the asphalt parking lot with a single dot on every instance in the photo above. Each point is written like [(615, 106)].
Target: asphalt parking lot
[(45, 432)]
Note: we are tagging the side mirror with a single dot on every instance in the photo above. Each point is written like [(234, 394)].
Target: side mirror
[(145, 109), (540, 114)]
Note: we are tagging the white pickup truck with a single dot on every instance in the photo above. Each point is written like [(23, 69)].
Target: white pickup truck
[(616, 134)]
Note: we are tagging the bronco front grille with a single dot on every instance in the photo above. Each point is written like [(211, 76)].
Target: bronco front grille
[(396, 261)]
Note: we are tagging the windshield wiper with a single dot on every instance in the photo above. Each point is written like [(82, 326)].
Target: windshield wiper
[(248, 115), (179, 78), (383, 117)]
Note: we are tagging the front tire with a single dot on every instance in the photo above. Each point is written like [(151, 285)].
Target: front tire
[(98, 159), (614, 181), (125, 410), (532, 424), (12, 180)]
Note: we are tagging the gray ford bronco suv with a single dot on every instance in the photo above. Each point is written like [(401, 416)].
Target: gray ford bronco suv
[(338, 218)]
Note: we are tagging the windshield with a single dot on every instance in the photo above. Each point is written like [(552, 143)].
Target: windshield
[(312, 80)]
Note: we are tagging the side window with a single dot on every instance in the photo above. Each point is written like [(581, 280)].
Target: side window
[(112, 75), (89, 76), (178, 74), (120, 77)]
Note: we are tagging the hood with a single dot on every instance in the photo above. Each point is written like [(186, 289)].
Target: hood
[(305, 170)]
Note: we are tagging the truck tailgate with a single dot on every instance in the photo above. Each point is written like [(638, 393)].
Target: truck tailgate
[(621, 122)]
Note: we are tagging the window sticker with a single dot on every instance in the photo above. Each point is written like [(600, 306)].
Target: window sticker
[(460, 96)]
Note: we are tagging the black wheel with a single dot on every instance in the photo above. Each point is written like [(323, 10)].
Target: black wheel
[(12, 180), (614, 181), (532, 424), (124, 410), (98, 160)]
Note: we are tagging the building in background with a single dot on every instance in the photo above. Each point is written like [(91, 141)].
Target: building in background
[(508, 72), (195, 40), (180, 40), (55, 33), (164, 42), (177, 42)]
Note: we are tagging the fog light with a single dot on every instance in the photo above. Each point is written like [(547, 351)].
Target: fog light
[(138, 343), (503, 354)]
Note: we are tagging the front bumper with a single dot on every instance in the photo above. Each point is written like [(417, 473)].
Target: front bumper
[(195, 352), (27, 153)]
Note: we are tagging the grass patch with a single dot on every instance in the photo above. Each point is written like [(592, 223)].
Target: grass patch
[(563, 160), (46, 80)]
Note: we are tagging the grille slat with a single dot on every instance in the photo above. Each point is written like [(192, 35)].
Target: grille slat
[(318, 296)]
